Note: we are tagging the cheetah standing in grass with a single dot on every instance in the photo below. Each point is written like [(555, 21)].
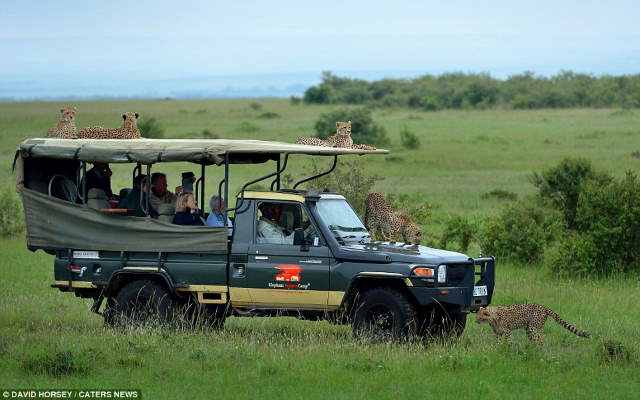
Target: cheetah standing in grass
[(66, 127), (380, 217), (530, 317), (128, 130), (341, 139)]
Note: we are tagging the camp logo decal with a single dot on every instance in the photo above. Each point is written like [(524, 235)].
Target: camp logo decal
[(289, 277), (290, 273)]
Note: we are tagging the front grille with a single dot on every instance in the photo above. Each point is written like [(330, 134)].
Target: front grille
[(457, 272)]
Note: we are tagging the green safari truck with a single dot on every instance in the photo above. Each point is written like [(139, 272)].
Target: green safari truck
[(289, 251)]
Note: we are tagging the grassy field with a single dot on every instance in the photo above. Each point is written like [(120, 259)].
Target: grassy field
[(51, 340)]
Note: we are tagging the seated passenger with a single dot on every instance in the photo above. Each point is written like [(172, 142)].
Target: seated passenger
[(161, 199), (216, 218), (136, 197), (97, 199), (268, 229), (185, 204), (99, 177)]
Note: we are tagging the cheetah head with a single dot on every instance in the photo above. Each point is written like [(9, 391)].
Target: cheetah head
[(130, 117), (343, 128), (68, 114), (416, 236), (484, 316)]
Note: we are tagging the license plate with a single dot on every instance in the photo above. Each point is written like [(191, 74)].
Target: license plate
[(479, 290)]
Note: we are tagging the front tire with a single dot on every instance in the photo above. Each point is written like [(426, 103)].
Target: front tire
[(385, 314), (141, 302)]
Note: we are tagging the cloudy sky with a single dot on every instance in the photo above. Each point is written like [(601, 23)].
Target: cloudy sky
[(90, 46)]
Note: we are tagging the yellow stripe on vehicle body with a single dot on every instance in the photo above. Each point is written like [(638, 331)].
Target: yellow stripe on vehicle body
[(77, 284), (286, 298)]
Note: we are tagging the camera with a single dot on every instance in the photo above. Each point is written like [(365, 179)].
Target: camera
[(188, 178)]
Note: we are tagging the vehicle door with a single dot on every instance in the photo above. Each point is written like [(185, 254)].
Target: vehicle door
[(279, 273)]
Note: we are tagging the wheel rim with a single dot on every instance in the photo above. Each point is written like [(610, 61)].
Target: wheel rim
[(380, 320)]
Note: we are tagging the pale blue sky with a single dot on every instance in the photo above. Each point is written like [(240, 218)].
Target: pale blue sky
[(91, 44)]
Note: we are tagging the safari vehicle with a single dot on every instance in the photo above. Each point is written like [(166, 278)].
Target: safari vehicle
[(142, 268)]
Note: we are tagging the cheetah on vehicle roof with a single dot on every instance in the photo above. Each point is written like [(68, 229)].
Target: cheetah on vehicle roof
[(66, 127), (341, 139), (128, 130)]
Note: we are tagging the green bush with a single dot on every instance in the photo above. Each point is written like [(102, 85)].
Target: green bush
[(607, 235), (348, 179), (295, 100), (363, 130), (563, 184), (521, 231), (268, 115), (414, 205), (248, 127), (207, 134), (409, 139), (11, 215), (255, 106), (460, 230), (500, 195), (150, 128)]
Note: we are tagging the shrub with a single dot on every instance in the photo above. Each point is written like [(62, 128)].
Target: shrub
[(350, 180), (414, 205), (563, 184), (268, 115), (409, 139), (150, 128), (255, 106), (201, 111), (499, 194), (607, 236), (363, 131), (248, 127), (460, 230), (207, 134), (430, 103), (521, 231), (295, 100), (11, 215)]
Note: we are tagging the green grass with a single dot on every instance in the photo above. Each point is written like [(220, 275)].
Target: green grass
[(50, 339)]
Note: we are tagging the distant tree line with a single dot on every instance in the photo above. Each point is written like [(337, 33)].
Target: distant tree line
[(480, 91)]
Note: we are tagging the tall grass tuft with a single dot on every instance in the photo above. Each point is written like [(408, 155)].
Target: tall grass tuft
[(11, 215)]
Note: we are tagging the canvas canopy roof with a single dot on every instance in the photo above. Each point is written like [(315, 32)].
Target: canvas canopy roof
[(148, 151)]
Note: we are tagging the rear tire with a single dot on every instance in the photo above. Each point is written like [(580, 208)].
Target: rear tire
[(140, 302), (384, 314)]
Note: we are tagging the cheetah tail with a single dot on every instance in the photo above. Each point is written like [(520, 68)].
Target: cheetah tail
[(568, 326)]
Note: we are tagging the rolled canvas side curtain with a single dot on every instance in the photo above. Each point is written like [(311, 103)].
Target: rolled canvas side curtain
[(58, 224)]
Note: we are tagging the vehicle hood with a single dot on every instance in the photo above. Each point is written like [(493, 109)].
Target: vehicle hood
[(413, 254)]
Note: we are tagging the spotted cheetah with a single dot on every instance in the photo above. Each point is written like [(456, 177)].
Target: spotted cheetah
[(530, 317), (66, 127), (380, 217), (341, 139), (128, 130)]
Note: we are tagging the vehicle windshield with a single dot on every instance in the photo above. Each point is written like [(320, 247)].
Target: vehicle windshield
[(341, 220)]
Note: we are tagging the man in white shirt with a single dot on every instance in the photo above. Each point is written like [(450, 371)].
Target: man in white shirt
[(269, 231)]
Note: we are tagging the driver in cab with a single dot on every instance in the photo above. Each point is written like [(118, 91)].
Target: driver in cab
[(269, 229)]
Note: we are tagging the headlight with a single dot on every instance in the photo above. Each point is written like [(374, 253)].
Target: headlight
[(442, 274), (424, 272)]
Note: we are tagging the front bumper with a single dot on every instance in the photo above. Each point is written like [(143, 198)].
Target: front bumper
[(460, 297)]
